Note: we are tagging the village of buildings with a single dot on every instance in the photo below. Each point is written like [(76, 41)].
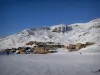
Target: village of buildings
[(34, 47)]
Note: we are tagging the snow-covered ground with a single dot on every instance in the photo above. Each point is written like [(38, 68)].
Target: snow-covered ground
[(50, 64)]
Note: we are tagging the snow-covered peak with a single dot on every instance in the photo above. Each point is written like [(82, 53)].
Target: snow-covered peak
[(56, 26), (24, 32), (96, 20)]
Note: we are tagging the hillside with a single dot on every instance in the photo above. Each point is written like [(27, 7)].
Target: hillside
[(64, 34)]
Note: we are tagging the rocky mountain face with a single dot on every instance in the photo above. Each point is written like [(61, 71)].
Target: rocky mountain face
[(64, 34)]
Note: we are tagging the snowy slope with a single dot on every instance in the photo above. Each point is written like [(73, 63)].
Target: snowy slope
[(78, 32)]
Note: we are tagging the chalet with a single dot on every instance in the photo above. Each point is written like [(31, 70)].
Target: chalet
[(78, 46)]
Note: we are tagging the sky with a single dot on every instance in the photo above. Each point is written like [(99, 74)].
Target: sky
[(17, 15)]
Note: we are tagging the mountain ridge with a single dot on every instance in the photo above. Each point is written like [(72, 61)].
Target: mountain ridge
[(65, 34)]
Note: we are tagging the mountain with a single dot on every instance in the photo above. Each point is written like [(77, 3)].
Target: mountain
[(64, 34)]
